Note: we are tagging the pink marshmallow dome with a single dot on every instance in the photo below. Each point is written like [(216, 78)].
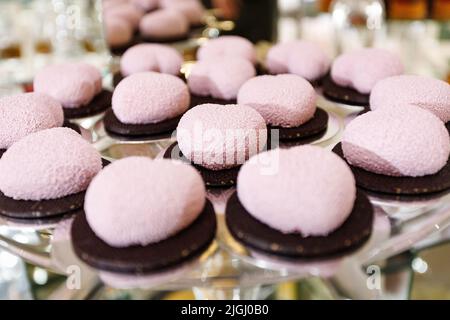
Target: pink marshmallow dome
[(73, 84), (193, 10), (118, 32), (400, 141), (48, 164), (224, 46), (124, 11), (163, 24), (305, 189), (220, 78), (428, 93), (145, 5), (26, 113), (363, 68), (219, 137), (150, 97), (151, 57), (285, 100), (139, 201), (300, 57)]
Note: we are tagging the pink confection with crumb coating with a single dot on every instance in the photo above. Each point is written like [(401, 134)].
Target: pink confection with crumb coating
[(400, 141), (125, 11), (221, 136), (138, 201), (223, 46), (48, 164), (145, 5), (363, 68), (150, 97), (306, 189), (164, 24), (425, 92), (299, 57), (284, 100), (151, 57), (118, 32), (193, 10), (220, 78)]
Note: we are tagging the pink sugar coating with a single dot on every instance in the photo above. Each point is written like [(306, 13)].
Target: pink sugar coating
[(118, 32), (400, 141), (428, 93), (73, 84), (145, 5), (138, 201), (223, 46), (151, 57), (150, 97), (221, 136), (48, 164), (193, 10), (220, 78), (284, 100), (306, 189), (300, 57), (125, 11), (363, 68), (164, 23)]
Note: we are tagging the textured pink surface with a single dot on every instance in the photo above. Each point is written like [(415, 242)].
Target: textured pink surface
[(305, 189), (221, 136), (125, 11), (150, 97), (285, 100), (223, 46), (164, 23), (145, 5), (300, 57), (402, 141), (118, 32), (151, 57), (427, 93), (73, 84), (137, 201), (48, 164), (193, 10), (363, 68), (25, 113), (220, 78)]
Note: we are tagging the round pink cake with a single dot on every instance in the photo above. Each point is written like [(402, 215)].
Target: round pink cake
[(223, 46), (151, 57), (138, 201), (48, 164), (193, 10), (118, 32), (305, 189), (145, 5), (150, 97), (221, 136), (400, 141), (363, 68), (285, 100), (220, 78), (125, 11), (427, 93), (164, 24)]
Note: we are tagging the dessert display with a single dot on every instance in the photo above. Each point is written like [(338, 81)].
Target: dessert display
[(77, 86), (287, 102), (164, 25), (224, 46), (136, 221), (275, 209), (217, 139), (354, 74)]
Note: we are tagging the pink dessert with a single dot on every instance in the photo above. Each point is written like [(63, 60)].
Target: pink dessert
[(427, 93), (305, 189), (285, 100), (26, 113), (145, 5), (299, 57), (73, 84), (151, 57), (223, 46), (363, 68), (221, 136), (125, 11), (118, 32), (164, 24), (400, 141), (220, 78), (139, 201), (150, 97), (48, 164), (193, 10)]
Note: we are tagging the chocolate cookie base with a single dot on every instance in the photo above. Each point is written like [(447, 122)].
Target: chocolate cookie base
[(447, 125), (355, 231), (345, 95), (399, 185), (183, 246), (100, 103), (198, 100), (140, 38)]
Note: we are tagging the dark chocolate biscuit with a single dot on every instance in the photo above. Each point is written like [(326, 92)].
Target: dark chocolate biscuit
[(345, 95), (183, 246), (2, 151), (100, 103), (399, 185), (72, 126), (447, 125), (198, 100), (139, 38), (351, 235)]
